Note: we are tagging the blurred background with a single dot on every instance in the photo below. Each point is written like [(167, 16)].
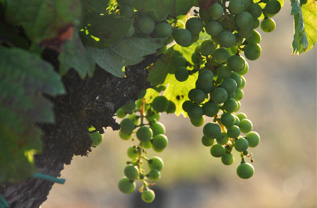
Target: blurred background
[(280, 100)]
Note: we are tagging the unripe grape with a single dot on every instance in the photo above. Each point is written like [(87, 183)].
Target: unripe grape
[(243, 82), (127, 126), (233, 131), (120, 113), (197, 95), (171, 107), (182, 37), (147, 144), (187, 105), (96, 138), (207, 48), (148, 196), (252, 51), (230, 106), (219, 95), (159, 142), (129, 107), (227, 159), (126, 185), (241, 116), (144, 134), (160, 103), (244, 20), (268, 25), (223, 138), (133, 152), (224, 72), (204, 87), (254, 38), (245, 170), (237, 78), (236, 63), (245, 125), (156, 163), (226, 39), (245, 69), (213, 28), (221, 55), (196, 112), (246, 3), (236, 7), (163, 30), (229, 84), (210, 109), (131, 172), (126, 10), (255, 10), (215, 11), (241, 144), (227, 119), (207, 141), (154, 175), (217, 150), (204, 15), (253, 138), (272, 7), (211, 130), (181, 74), (239, 94), (179, 61), (158, 128), (146, 25), (245, 33), (194, 25)]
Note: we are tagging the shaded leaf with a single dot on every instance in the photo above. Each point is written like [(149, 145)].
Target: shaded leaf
[(96, 5)]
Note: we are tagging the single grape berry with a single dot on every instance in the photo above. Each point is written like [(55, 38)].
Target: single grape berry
[(148, 196), (158, 128), (163, 30), (233, 131), (244, 20), (231, 105), (227, 159), (245, 170), (226, 39), (236, 7), (207, 47), (215, 11), (239, 94), (160, 103), (245, 125), (124, 136), (183, 37), (229, 84), (96, 137), (196, 112), (219, 95), (171, 107), (194, 25), (272, 7), (197, 95), (253, 138), (156, 163), (212, 130), (159, 142), (221, 55), (213, 28), (217, 150), (127, 126), (187, 105), (241, 144), (133, 152), (181, 74), (255, 9), (254, 38), (154, 175), (207, 141), (268, 25), (146, 25), (223, 72), (144, 134), (223, 138), (179, 61), (126, 185), (205, 77), (129, 108), (252, 51), (236, 63), (210, 109), (131, 172), (241, 116)]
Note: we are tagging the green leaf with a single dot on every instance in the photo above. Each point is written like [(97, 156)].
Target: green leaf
[(96, 5), (127, 51), (305, 17), (44, 19), (24, 77), (74, 55), (103, 30)]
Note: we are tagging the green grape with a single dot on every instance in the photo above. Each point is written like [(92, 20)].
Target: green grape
[(195, 38), (159, 142), (237, 122), (148, 196), (207, 141), (146, 25), (160, 103), (207, 48), (205, 77), (237, 78), (230, 105), (252, 51), (227, 159), (196, 112), (144, 134), (217, 150), (255, 10), (229, 84), (219, 95), (241, 116), (245, 125), (241, 144), (128, 108), (243, 82), (224, 72), (223, 138), (245, 69), (154, 175), (197, 58), (226, 39), (197, 122), (131, 172), (272, 7), (239, 94), (171, 107), (210, 109), (163, 30), (124, 136), (120, 113), (181, 74), (152, 116), (221, 55), (245, 170), (134, 118), (156, 163), (194, 25), (197, 95), (244, 20), (213, 28), (233, 131), (179, 61), (158, 128), (147, 145), (227, 119), (126, 185), (253, 138), (268, 25), (246, 3), (127, 126), (256, 23), (211, 130), (187, 105), (254, 38), (133, 152), (215, 11), (126, 11), (236, 7), (236, 63), (203, 14), (245, 33), (206, 88), (183, 37)]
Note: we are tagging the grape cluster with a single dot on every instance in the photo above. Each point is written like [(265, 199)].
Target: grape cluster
[(140, 122)]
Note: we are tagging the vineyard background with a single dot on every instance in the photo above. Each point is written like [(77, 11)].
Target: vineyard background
[(280, 99)]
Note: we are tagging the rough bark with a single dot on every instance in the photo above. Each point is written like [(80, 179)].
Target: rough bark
[(90, 101)]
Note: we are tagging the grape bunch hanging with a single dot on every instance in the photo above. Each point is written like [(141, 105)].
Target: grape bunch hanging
[(219, 63)]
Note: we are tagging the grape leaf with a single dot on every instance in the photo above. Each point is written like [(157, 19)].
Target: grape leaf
[(305, 17), (96, 5), (45, 19), (127, 51), (74, 55), (23, 79)]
